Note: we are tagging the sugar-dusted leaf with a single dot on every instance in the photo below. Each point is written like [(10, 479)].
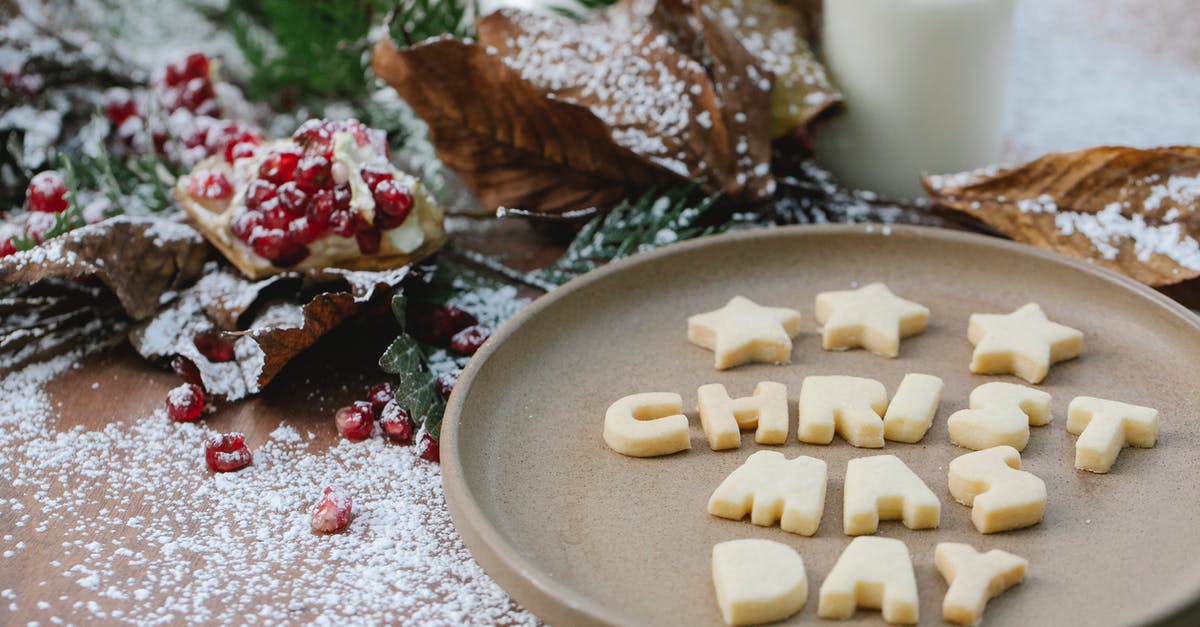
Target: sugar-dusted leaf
[(139, 258), (1130, 210), (416, 389), (778, 35), (511, 146)]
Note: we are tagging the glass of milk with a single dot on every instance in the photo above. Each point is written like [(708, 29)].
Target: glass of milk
[(924, 84)]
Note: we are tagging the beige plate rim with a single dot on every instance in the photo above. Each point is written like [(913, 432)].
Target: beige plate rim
[(548, 598)]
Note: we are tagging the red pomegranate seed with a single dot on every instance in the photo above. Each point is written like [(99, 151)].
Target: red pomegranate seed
[(368, 239), (430, 449), (303, 231), (445, 383), (397, 425), (196, 93), (314, 173), (210, 185), (47, 193), (269, 243), (119, 105), (314, 136), (275, 216), (214, 347), (279, 167), (187, 370), (185, 403), (373, 175), (467, 341), (436, 325), (174, 75), (227, 452), (332, 512), (344, 222), (7, 247), (379, 395), (290, 254), (260, 191), (243, 224), (393, 198), (341, 196), (320, 210), (292, 199), (195, 66), (355, 420), (241, 149)]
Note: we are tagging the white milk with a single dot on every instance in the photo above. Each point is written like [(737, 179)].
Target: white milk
[(924, 84)]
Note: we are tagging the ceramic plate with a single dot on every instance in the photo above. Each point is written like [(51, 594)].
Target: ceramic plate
[(582, 535)]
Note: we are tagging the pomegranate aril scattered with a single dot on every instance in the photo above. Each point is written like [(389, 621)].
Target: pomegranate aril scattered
[(279, 167), (269, 243), (314, 135), (355, 420), (119, 105), (467, 341), (332, 512), (187, 370), (397, 424), (314, 173), (196, 66), (303, 231), (293, 199), (374, 175), (342, 196), (214, 347), (429, 449), (368, 239), (241, 149), (445, 383), (393, 199), (260, 191), (243, 224), (185, 403), (436, 325), (344, 222), (47, 193), (320, 210), (379, 395), (227, 452), (210, 185), (196, 93), (7, 247)]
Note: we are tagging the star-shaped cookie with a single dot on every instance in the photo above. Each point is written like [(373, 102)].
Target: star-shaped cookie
[(1023, 343), (744, 331), (871, 317)]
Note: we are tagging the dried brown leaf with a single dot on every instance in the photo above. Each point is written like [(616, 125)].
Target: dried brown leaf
[(1130, 210), (139, 258)]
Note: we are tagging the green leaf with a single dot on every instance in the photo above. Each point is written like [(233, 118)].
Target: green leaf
[(417, 20), (416, 388)]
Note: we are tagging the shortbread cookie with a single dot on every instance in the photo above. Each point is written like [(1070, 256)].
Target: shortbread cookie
[(883, 488), (910, 413), (743, 331), (1000, 415), (870, 317), (874, 573), (723, 418), (758, 581), (1106, 427), (974, 578), (1000, 494), (770, 487), (1023, 343), (851, 406), (647, 425)]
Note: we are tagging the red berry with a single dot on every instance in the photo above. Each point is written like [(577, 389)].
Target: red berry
[(259, 192), (332, 512), (467, 341), (187, 370), (397, 425), (214, 347), (267, 242), (196, 93), (320, 210), (37, 225), (445, 383), (379, 395), (274, 215), (314, 173), (303, 231), (240, 149), (368, 239), (174, 75), (373, 175), (185, 403), (430, 450), (227, 452), (195, 66), (293, 199), (243, 224), (393, 202), (344, 222), (436, 325), (47, 193), (314, 136), (355, 421), (119, 105), (7, 247), (210, 185), (341, 196), (279, 167)]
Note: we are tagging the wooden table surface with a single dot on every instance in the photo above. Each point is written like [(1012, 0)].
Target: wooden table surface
[(117, 385)]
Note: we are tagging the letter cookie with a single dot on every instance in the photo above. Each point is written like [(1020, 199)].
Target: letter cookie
[(646, 425), (758, 581), (1106, 427), (883, 488), (910, 414), (852, 406), (771, 487), (1000, 415), (871, 317), (1023, 343), (724, 418), (874, 573), (744, 331), (1001, 495), (974, 578)]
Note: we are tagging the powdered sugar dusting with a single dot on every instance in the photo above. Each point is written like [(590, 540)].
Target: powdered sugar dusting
[(226, 548)]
